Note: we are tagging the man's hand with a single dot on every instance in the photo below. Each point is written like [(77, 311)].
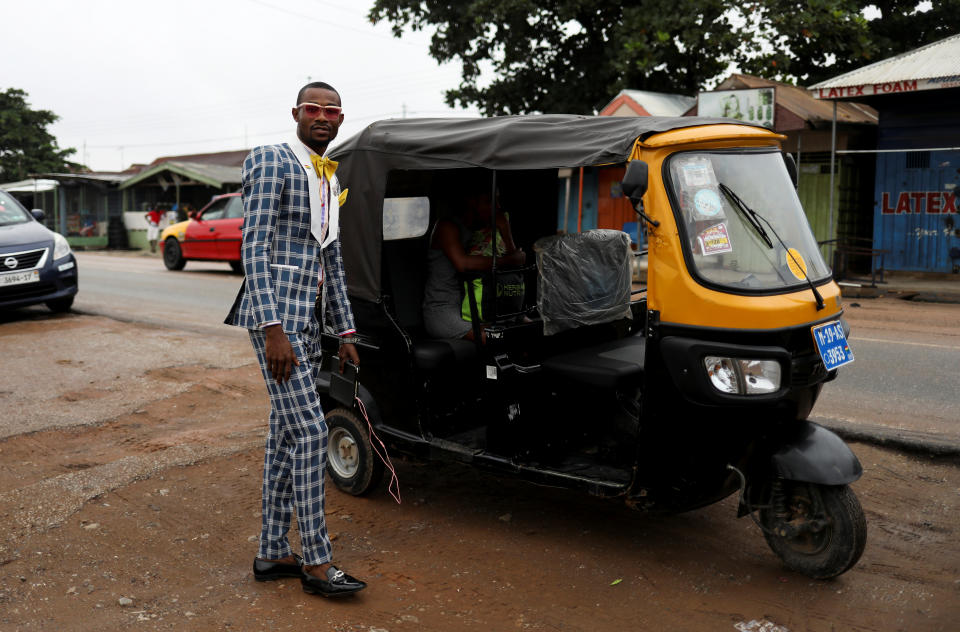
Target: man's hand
[(348, 353), (279, 354)]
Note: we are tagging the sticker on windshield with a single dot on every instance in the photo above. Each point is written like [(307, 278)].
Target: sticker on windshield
[(715, 240), (698, 173), (707, 203), (796, 264)]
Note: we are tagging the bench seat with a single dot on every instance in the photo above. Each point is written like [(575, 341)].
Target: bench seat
[(614, 364)]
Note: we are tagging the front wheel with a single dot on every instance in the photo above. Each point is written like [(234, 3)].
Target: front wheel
[(172, 256), (817, 530), (351, 461)]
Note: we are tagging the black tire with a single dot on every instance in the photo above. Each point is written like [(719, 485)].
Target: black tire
[(351, 461), (172, 256), (60, 305), (237, 266), (830, 551)]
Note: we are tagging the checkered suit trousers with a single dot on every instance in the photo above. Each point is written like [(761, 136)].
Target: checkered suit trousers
[(296, 453)]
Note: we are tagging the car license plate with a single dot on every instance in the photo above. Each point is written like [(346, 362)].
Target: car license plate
[(17, 278), (832, 345)]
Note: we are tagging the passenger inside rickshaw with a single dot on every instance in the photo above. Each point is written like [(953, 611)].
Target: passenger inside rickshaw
[(461, 243), (531, 200), (472, 391)]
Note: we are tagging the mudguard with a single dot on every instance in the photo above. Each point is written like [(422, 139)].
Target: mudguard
[(328, 403), (813, 454)]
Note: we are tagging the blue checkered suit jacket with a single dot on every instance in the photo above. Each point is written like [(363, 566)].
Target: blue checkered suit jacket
[(282, 262)]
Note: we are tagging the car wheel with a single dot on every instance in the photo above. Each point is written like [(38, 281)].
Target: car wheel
[(59, 305), (172, 257), (237, 266), (351, 461)]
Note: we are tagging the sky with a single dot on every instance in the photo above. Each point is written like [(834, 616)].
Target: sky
[(133, 80)]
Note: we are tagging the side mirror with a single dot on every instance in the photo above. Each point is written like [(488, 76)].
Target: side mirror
[(192, 215), (634, 182), (634, 185), (791, 167), (38, 214)]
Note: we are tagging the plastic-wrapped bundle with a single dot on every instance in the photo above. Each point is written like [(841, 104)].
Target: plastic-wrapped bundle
[(584, 279)]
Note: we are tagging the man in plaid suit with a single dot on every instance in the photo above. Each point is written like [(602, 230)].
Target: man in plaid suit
[(291, 255)]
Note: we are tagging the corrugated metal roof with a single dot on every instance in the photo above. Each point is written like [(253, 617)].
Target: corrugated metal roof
[(92, 177), (29, 186), (660, 103), (211, 174), (939, 60), (233, 158)]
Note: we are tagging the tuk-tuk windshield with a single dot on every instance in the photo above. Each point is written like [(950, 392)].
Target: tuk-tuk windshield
[(736, 207)]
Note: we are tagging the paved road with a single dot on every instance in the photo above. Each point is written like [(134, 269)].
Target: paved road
[(139, 288), (904, 380), (897, 381), (904, 377)]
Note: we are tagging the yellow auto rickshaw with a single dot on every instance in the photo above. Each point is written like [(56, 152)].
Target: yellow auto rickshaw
[(669, 396)]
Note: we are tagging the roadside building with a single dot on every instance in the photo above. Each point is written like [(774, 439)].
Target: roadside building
[(34, 193), (835, 198), (86, 208), (106, 209), (599, 202), (177, 184), (914, 203)]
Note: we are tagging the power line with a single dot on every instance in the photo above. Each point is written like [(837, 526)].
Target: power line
[(372, 117), (110, 127), (329, 22)]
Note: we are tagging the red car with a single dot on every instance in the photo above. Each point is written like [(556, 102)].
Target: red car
[(212, 234)]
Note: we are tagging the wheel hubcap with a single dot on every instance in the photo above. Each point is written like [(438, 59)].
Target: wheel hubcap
[(343, 453), (810, 541)]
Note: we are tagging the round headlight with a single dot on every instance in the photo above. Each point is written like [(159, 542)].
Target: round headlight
[(743, 377), (723, 374)]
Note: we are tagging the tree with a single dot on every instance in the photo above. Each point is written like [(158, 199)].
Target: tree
[(814, 40), (575, 55), (26, 146), (570, 55)]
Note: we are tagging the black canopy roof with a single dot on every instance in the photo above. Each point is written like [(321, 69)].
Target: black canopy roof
[(546, 141)]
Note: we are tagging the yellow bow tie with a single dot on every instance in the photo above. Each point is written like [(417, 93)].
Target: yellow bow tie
[(324, 167)]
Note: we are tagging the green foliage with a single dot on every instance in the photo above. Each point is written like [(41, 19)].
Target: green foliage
[(26, 147), (815, 40), (576, 55), (569, 55)]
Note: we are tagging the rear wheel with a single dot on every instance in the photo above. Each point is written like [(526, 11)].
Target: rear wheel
[(351, 461), (172, 256), (60, 304), (817, 530)]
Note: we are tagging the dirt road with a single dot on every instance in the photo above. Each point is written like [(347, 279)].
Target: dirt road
[(129, 495)]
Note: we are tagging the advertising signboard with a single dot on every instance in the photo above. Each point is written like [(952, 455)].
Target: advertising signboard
[(751, 106)]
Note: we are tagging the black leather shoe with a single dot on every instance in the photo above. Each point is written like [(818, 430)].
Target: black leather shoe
[(264, 571), (337, 583)]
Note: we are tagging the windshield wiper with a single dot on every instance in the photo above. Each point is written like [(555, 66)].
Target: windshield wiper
[(754, 219), (748, 213)]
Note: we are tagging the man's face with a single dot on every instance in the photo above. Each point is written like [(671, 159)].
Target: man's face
[(317, 131)]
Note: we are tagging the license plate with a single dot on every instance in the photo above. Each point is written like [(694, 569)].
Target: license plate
[(17, 278), (832, 345)]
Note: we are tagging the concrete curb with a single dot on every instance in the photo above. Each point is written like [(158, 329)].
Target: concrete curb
[(898, 439)]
